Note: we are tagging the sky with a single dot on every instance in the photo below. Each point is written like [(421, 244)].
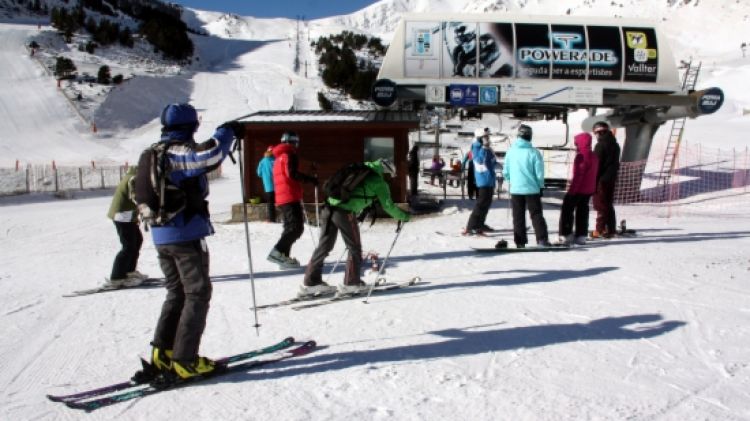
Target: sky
[(310, 9)]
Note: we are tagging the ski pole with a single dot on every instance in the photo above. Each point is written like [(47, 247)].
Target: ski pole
[(238, 146), (385, 260), (309, 225), (317, 209)]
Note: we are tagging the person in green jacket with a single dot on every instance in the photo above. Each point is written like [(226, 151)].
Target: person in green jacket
[(124, 213), (337, 216)]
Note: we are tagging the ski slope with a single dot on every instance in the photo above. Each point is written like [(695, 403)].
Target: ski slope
[(649, 328)]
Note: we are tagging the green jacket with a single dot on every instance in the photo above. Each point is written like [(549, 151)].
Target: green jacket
[(123, 208), (374, 187)]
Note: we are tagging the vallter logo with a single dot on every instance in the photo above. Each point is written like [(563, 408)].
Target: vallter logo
[(565, 51), (638, 42), (636, 39)]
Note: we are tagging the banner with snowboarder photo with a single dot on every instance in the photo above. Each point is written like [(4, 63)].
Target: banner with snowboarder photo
[(459, 49), (495, 50)]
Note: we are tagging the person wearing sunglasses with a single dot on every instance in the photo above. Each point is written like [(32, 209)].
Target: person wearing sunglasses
[(608, 152)]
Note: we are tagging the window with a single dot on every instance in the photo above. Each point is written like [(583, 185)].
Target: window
[(378, 148)]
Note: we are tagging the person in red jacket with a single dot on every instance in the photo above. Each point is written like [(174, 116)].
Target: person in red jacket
[(287, 183), (582, 186)]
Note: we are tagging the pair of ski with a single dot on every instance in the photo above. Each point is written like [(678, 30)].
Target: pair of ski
[(120, 392), (147, 283), (323, 299)]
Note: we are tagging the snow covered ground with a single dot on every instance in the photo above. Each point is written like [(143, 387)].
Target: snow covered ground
[(652, 327)]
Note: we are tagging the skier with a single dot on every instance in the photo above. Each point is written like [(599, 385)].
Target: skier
[(288, 187), (265, 172), (524, 170), (180, 241), (124, 214), (582, 186), (608, 152), (342, 216), (484, 161)]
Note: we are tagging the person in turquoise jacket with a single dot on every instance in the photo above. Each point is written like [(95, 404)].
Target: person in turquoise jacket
[(524, 170), (337, 216), (265, 172)]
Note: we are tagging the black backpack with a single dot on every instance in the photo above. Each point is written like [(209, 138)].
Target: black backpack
[(345, 180)]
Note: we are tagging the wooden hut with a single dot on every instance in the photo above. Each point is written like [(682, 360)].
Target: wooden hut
[(330, 140)]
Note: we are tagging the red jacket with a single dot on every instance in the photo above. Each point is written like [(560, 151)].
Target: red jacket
[(585, 166), (288, 190)]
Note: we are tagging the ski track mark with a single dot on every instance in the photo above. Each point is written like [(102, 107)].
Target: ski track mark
[(23, 307)]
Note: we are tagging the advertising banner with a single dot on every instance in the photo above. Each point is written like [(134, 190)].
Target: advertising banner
[(509, 51), (422, 49), (460, 49), (569, 54), (495, 50), (605, 53), (641, 58), (532, 50)]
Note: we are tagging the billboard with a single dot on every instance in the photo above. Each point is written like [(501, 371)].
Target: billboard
[(541, 51)]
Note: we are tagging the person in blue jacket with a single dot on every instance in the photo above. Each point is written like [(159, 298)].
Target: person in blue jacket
[(524, 170), (180, 241), (483, 158), (265, 172)]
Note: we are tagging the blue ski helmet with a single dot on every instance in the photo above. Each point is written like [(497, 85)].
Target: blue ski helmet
[(179, 117)]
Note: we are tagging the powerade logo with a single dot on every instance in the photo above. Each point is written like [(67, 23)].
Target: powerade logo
[(384, 92), (567, 53), (711, 100)]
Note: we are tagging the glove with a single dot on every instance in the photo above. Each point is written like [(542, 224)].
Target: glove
[(237, 128), (541, 192)]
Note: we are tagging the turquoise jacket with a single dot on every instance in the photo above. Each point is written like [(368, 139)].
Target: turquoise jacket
[(524, 168), (265, 172), (372, 188)]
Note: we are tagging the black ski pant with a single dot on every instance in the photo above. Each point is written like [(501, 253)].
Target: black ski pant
[(333, 221), (183, 314), (478, 216), (271, 206), (471, 182), (127, 258), (532, 202), (574, 205), (413, 183), (604, 199), (294, 226)]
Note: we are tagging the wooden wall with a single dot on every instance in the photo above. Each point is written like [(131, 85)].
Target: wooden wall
[(323, 149)]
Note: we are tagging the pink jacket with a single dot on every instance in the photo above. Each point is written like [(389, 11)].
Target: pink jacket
[(585, 166)]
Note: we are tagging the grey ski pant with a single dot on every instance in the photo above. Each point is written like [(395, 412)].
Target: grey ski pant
[(183, 314), (334, 220)]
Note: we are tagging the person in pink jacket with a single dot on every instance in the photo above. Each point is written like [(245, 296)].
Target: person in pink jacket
[(582, 186)]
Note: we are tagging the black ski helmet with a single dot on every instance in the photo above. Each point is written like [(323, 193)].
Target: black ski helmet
[(290, 137), (524, 132)]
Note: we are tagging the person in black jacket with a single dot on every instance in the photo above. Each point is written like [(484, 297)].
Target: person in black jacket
[(608, 152), (413, 170)]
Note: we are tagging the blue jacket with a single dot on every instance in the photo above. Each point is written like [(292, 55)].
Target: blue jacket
[(484, 164), (187, 159), (524, 168), (265, 172)]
